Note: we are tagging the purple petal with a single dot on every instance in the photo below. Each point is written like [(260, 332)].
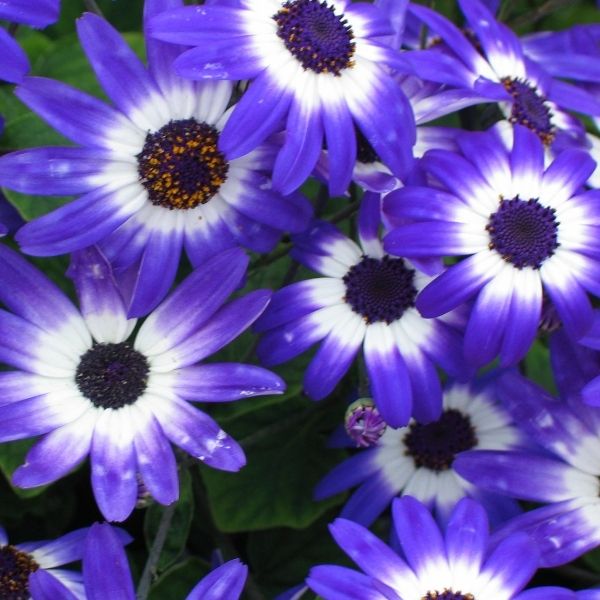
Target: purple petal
[(334, 357), (225, 325), (347, 474), (224, 583), (62, 551), (78, 116), (36, 14), (388, 375), (119, 70), (198, 435), (99, 298), (157, 271), (193, 302), (512, 564), (104, 554), (78, 224), (373, 556), (57, 453), (467, 536), (418, 533), (44, 586), (15, 64), (114, 465), (225, 382), (340, 583), (259, 113), (52, 171), (155, 458)]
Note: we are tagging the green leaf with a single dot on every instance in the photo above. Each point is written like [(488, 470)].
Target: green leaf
[(275, 488), (537, 367), (12, 455), (180, 524), (179, 581)]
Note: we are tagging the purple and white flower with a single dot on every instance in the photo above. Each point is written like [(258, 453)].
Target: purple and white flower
[(153, 176), (365, 298), (317, 69), (22, 565), (417, 460), (495, 66), (525, 230), (564, 473), (82, 385), (456, 563)]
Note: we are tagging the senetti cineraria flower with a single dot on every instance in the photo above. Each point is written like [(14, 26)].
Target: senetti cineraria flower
[(417, 460), (91, 391), (566, 476), (455, 564), (106, 573), (495, 66), (525, 229), (153, 175), (20, 564), (365, 298), (34, 13), (317, 68)]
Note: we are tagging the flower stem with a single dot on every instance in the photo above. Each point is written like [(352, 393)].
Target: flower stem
[(92, 7), (155, 550)]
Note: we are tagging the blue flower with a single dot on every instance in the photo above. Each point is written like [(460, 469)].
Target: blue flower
[(417, 460), (88, 390), (365, 298), (23, 564), (496, 67), (35, 13), (152, 171), (565, 474), (456, 564), (316, 68), (525, 230)]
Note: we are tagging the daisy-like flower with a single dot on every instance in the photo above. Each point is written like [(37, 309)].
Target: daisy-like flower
[(455, 564), (417, 460), (317, 68), (20, 564), (89, 390), (525, 230), (565, 476), (153, 175), (35, 13), (106, 573), (494, 64), (364, 298)]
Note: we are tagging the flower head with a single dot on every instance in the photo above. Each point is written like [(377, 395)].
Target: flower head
[(23, 565), (524, 230), (316, 69), (82, 384), (564, 475), (153, 176), (365, 298), (454, 563), (418, 459)]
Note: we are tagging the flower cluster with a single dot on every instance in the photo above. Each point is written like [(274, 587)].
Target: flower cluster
[(299, 221)]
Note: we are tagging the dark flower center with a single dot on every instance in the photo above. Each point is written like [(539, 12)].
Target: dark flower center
[(15, 568), (365, 153), (180, 165), (435, 444), (112, 375), (523, 232), (380, 289), (321, 40), (447, 594), (530, 109)]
